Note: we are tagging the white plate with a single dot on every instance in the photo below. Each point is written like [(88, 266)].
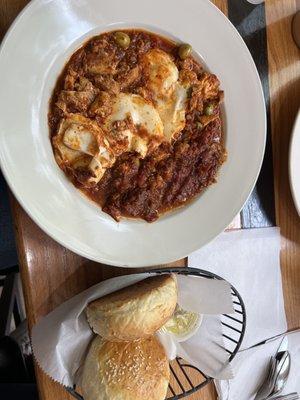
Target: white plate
[(33, 53), (294, 163)]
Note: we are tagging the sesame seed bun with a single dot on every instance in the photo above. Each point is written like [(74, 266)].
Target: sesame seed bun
[(125, 370), (136, 311)]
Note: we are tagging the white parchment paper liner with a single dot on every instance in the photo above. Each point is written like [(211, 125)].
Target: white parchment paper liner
[(60, 340)]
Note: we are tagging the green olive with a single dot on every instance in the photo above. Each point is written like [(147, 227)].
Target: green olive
[(209, 109), (184, 51), (122, 39)]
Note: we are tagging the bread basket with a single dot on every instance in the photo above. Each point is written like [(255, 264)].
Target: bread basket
[(234, 325)]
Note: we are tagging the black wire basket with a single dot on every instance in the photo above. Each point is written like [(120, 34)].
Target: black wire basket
[(182, 382)]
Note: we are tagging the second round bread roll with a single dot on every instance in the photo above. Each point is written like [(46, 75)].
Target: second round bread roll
[(136, 311), (125, 370)]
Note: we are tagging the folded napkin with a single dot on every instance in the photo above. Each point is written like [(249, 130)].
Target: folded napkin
[(249, 260)]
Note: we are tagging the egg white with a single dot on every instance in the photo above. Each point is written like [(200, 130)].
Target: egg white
[(143, 115), (78, 136), (169, 96)]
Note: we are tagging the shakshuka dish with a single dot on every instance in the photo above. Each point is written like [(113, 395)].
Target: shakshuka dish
[(135, 123)]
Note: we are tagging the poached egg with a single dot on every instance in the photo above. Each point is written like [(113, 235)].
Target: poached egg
[(148, 127), (169, 96), (81, 142)]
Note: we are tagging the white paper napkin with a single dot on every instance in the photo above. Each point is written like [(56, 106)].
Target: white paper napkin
[(250, 368), (60, 340), (249, 259)]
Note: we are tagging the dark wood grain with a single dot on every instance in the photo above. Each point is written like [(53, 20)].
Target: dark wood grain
[(8, 12), (51, 274)]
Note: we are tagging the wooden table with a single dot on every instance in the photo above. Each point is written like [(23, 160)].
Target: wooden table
[(51, 274)]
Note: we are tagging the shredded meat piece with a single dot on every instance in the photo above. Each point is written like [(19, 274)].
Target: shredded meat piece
[(196, 99), (84, 85), (70, 79), (118, 138), (107, 83), (207, 88), (101, 107), (75, 70), (72, 101), (209, 84), (187, 77), (102, 62), (189, 64), (78, 99), (82, 175), (131, 77)]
